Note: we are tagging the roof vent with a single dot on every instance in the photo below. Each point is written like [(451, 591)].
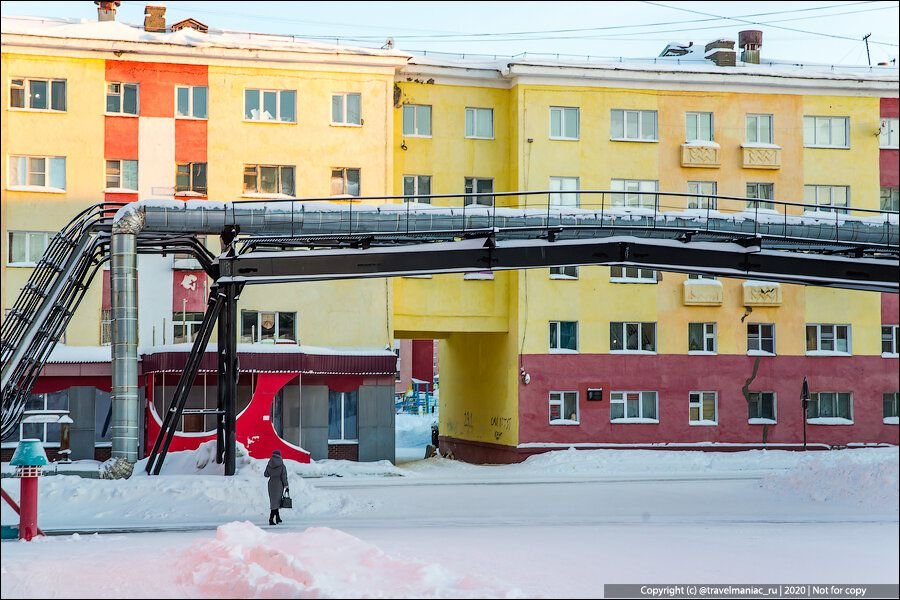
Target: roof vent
[(155, 18), (106, 11), (190, 24), (750, 41), (721, 52)]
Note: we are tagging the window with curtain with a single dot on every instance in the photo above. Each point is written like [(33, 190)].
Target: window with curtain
[(633, 125), (564, 335), (37, 94), (122, 98), (564, 408), (830, 405), (761, 406), (632, 337), (702, 337), (48, 172), (758, 192), (270, 105), (346, 109), (702, 408), (480, 123), (698, 126), (417, 120), (564, 123), (633, 407)]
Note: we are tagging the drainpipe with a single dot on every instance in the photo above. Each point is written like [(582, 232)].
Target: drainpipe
[(124, 350)]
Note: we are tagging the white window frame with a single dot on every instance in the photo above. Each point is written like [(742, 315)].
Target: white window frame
[(560, 401), (889, 137), (278, 102), (698, 399), (192, 187), (563, 119), (30, 261), (759, 399), (633, 193), (414, 109), (106, 326), (708, 334), (820, 420), (51, 412), (256, 334), (48, 170), (191, 112), (811, 132), (822, 197), (702, 276), (890, 198), (632, 275), (120, 187), (621, 397), (345, 122), (894, 333), (261, 194), (475, 110), (343, 439), (416, 181), (635, 114), (558, 349), (623, 334), (759, 337), (890, 419), (559, 192), (564, 272), (758, 119), (696, 127), (834, 329), (121, 94), (708, 200), (763, 203), (469, 199), (26, 89), (345, 177), (192, 326)]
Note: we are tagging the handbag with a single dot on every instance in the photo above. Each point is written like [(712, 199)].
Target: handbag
[(286, 501)]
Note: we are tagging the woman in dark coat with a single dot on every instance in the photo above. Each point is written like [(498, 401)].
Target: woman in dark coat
[(278, 483)]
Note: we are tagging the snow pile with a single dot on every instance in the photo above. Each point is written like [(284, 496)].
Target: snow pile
[(414, 431), (244, 561), (347, 468), (866, 478), (191, 491)]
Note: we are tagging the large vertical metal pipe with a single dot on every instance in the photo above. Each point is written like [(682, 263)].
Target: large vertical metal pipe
[(228, 352), (123, 287)]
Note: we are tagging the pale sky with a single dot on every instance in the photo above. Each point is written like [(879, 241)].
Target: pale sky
[(825, 32)]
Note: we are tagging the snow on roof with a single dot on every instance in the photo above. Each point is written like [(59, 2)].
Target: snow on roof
[(117, 31), (101, 354), (80, 354)]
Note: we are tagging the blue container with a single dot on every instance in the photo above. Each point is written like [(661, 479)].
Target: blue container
[(29, 453)]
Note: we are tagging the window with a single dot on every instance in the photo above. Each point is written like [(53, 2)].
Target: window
[(480, 123), (761, 191), (759, 129), (563, 408), (888, 339), (190, 102), (702, 408), (564, 191), (122, 98), (269, 179), (102, 417), (270, 105), (268, 327), (345, 182), (190, 177), (708, 200), (889, 138), (105, 326), (890, 199), (633, 407), (479, 185), (827, 198), (830, 407), (343, 408), (826, 132), (417, 120), (38, 94), (631, 275), (122, 175), (564, 123), (186, 326), (698, 127), (48, 405), (890, 405), (416, 185), (761, 408), (563, 272), (702, 337), (27, 247), (760, 338), (47, 172), (346, 109), (637, 192), (828, 339), (701, 276), (634, 125), (563, 336), (632, 337), (397, 354)]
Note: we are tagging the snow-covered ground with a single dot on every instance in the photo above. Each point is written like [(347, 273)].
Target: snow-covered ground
[(560, 524)]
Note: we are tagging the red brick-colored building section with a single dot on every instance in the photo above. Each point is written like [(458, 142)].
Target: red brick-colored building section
[(889, 159)]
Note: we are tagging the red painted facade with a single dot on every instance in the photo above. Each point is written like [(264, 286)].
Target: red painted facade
[(189, 291), (673, 377), (423, 360), (889, 159), (890, 309)]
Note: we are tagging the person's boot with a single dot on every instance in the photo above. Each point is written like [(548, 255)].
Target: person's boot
[(277, 517), (272, 517)]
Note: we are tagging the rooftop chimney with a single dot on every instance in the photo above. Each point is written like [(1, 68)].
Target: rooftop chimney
[(750, 42), (106, 11), (721, 52), (155, 18)]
